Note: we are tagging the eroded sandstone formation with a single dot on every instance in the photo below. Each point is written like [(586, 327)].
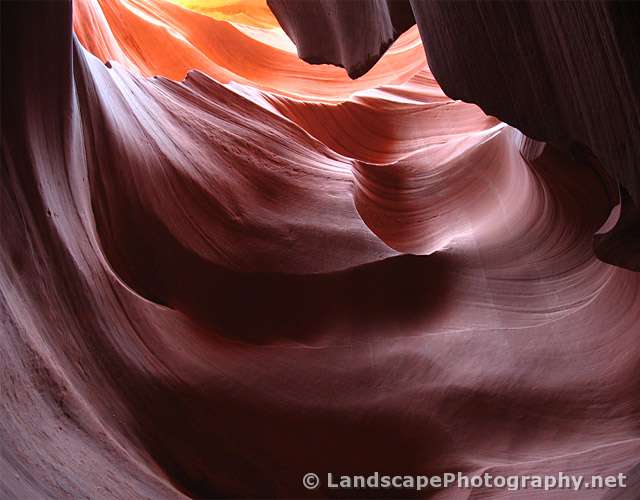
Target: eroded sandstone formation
[(223, 268)]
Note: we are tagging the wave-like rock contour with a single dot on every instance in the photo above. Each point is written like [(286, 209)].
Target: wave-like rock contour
[(215, 281)]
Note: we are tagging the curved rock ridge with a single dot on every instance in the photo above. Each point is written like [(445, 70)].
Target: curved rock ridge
[(214, 281), (155, 37), (562, 72)]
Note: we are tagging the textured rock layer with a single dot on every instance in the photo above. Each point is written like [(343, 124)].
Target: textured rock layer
[(210, 286), (562, 72)]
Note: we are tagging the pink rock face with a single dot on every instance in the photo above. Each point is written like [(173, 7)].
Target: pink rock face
[(214, 285)]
